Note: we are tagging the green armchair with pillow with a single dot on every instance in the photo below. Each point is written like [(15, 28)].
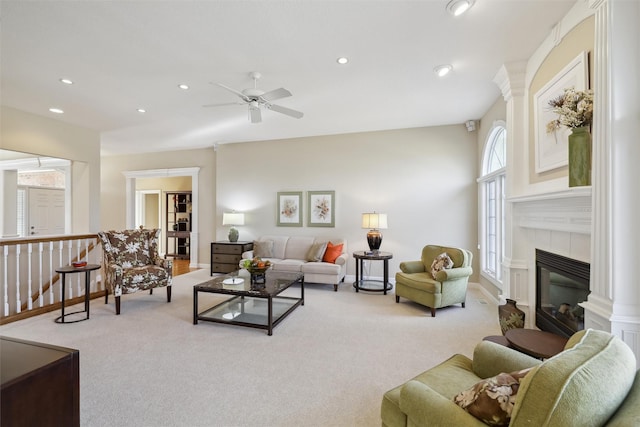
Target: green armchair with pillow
[(593, 382), (438, 279)]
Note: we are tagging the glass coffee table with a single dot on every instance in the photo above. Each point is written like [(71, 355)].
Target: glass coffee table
[(255, 305)]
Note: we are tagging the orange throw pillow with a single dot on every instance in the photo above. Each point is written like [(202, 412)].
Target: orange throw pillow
[(332, 252)]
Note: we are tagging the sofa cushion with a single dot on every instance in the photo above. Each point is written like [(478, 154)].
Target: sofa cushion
[(316, 252), (491, 400), (332, 252), (320, 268), (297, 247), (279, 244), (441, 262), (289, 265), (263, 249)]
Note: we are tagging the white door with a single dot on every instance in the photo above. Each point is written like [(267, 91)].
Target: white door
[(46, 211)]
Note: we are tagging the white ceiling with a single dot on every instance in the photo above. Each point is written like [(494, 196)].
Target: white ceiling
[(124, 55)]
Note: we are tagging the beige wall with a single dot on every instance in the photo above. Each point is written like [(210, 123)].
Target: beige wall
[(113, 200), (423, 178), (579, 39), (30, 133)]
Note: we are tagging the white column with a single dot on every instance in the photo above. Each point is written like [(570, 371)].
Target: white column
[(614, 302), (511, 81), (9, 197)]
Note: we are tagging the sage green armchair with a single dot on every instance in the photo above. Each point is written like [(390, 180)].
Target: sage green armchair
[(416, 283), (593, 382)]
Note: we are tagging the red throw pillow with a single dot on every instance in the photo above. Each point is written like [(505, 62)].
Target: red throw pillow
[(332, 252)]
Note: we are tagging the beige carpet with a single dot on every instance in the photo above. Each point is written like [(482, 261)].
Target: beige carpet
[(327, 364)]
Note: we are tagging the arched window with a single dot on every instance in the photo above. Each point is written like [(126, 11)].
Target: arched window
[(492, 197)]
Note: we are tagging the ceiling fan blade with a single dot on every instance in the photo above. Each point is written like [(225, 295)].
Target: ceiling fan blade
[(254, 114), (272, 95), (224, 104), (285, 110), (237, 92)]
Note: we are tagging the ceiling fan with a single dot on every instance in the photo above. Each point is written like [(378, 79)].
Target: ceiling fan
[(257, 99)]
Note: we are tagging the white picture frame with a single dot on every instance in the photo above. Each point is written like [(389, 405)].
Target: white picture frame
[(551, 149)]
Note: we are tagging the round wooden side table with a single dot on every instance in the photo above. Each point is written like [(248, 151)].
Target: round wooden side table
[(533, 342), (372, 285)]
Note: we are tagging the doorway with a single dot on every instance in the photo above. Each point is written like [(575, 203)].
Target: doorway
[(193, 172)]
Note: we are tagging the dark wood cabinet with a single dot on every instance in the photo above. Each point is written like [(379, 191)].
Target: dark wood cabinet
[(225, 256), (40, 384), (178, 224)]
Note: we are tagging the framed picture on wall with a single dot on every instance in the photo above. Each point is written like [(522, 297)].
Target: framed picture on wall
[(321, 208), (552, 149), (289, 209)]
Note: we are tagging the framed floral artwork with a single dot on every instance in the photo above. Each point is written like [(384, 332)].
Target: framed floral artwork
[(289, 209), (552, 147), (321, 208)]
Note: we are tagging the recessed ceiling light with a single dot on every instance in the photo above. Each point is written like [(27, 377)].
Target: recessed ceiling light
[(342, 60), (56, 110), (66, 81), (442, 70), (458, 7), (183, 86), (141, 110)]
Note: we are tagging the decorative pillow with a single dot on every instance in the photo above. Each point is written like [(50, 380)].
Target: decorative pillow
[(332, 252), (441, 262), (316, 252), (263, 249), (492, 400)]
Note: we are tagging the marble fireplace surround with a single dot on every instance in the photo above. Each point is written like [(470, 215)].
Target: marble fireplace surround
[(557, 222)]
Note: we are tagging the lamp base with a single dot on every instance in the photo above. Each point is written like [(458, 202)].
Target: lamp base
[(374, 238), (233, 234)]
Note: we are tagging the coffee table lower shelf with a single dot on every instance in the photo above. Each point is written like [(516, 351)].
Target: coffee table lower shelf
[(260, 313)]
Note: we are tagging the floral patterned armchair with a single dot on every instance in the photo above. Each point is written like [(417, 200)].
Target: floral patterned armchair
[(131, 263)]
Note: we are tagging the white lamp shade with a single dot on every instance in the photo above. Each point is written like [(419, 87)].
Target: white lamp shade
[(374, 220), (232, 218)]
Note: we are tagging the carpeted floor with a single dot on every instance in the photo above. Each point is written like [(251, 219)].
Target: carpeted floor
[(327, 364)]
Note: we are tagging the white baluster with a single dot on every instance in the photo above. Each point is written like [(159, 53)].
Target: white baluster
[(78, 278), (69, 246), (5, 282), (51, 296), (60, 247), (29, 279), (18, 302), (40, 296)]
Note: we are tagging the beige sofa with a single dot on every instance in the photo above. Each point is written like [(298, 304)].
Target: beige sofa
[(289, 253)]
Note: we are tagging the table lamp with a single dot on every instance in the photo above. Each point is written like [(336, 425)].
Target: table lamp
[(233, 219), (374, 222)]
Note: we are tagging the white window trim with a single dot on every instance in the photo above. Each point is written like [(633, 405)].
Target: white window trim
[(493, 176)]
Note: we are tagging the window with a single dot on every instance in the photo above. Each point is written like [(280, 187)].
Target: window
[(492, 195)]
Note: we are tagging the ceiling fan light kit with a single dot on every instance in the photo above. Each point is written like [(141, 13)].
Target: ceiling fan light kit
[(256, 99), (458, 7), (442, 70)]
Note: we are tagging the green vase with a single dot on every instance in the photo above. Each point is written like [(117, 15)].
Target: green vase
[(580, 157)]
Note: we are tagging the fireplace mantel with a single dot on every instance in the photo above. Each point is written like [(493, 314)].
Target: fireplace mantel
[(566, 210)]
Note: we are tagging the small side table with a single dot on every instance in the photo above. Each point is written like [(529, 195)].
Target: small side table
[(87, 269), (539, 344), (369, 285)]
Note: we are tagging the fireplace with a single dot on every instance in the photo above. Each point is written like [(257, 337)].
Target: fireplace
[(561, 285)]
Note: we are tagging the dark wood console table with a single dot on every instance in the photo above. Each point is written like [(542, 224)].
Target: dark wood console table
[(40, 384)]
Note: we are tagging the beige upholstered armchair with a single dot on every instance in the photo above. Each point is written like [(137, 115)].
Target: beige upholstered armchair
[(132, 262), (436, 280)]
